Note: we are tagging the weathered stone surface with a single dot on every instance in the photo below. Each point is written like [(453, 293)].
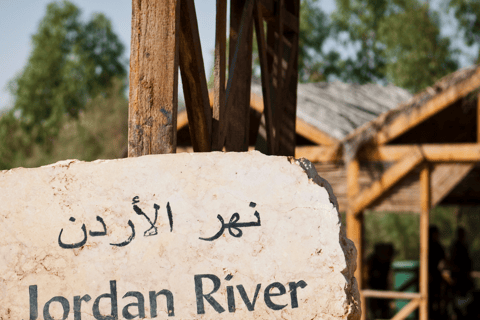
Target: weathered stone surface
[(291, 247)]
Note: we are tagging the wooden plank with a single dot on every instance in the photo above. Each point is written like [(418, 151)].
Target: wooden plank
[(425, 204), (408, 120), (266, 81), (319, 153), (368, 293), (219, 116), (461, 152), (407, 310), (313, 134), (194, 80), (235, 68), (152, 112), (388, 180)]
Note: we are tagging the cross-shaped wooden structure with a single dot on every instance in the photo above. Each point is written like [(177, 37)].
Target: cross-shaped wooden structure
[(165, 36)]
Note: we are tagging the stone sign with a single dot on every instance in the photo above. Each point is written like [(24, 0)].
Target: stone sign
[(185, 236)]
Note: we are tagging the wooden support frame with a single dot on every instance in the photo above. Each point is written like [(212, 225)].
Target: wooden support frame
[(407, 309), (368, 293), (388, 180), (436, 153)]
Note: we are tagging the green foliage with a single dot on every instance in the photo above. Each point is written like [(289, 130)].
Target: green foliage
[(360, 20), (313, 63), (71, 62), (417, 60), (467, 13), (403, 231), (99, 132), (398, 41), (72, 86)]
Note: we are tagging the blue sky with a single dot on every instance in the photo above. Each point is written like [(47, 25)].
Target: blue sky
[(19, 20)]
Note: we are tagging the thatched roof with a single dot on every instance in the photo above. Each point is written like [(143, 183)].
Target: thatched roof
[(339, 108), (458, 84)]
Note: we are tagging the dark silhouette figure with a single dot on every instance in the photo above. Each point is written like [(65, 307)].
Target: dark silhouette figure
[(436, 285), (379, 266), (461, 266)]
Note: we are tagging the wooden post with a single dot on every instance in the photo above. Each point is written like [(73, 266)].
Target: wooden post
[(239, 113), (425, 198), (219, 74), (355, 223), (194, 80), (478, 118), (152, 123)]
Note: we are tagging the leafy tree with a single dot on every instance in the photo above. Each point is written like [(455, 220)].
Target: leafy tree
[(314, 63), (398, 41), (71, 62), (357, 23), (467, 13), (415, 61)]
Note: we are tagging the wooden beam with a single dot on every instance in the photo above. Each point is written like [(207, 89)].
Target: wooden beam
[(219, 116), (313, 134), (461, 152), (368, 293), (388, 180), (266, 81), (194, 80), (152, 110), (425, 203), (408, 120), (407, 310), (319, 153)]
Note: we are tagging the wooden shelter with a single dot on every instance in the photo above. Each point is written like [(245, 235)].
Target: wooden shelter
[(421, 154), (326, 113)]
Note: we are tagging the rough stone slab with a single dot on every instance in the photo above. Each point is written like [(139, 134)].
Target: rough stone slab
[(291, 240)]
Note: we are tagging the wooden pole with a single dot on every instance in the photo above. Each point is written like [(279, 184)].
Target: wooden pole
[(152, 123), (238, 116), (355, 223), (194, 80), (478, 118), (425, 194), (219, 74)]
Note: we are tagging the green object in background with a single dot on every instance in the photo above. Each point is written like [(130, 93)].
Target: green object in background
[(405, 279)]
